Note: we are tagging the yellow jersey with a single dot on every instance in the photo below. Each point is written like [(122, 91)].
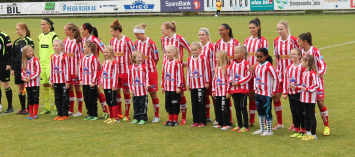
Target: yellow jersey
[(219, 5)]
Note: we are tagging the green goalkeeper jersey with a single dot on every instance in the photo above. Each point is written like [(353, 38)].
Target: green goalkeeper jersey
[(45, 44)]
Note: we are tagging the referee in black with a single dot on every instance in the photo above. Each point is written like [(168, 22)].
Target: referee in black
[(5, 67)]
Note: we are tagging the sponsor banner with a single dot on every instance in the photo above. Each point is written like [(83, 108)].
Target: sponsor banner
[(227, 5), (108, 6), (299, 5), (261, 5), (337, 4), (141, 6), (352, 4), (10, 8), (77, 7), (181, 5)]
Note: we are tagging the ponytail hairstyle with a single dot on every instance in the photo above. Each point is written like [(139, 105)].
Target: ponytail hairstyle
[(140, 26), (299, 52), (24, 56), (228, 28), (243, 50), (306, 36), (207, 33), (134, 56), (112, 56), (223, 61), (76, 31), (265, 53), (92, 30), (173, 49), (256, 22), (311, 62), (287, 26), (50, 22), (93, 47), (115, 25), (197, 44), (170, 25), (24, 26)]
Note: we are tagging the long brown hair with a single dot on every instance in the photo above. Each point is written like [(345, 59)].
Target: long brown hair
[(311, 62), (24, 56), (115, 25), (223, 61), (71, 26), (24, 26)]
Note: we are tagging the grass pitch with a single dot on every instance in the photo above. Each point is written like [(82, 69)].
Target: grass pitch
[(75, 137)]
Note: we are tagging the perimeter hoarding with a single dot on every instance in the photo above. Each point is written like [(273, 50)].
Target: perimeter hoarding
[(299, 5), (181, 5), (228, 5)]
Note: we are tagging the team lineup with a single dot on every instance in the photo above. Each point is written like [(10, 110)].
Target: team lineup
[(70, 70)]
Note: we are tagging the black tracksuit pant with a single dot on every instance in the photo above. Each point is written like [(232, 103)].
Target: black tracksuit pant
[(222, 111), (309, 117), (297, 110), (140, 105), (90, 99), (61, 94), (198, 98), (32, 95), (172, 102), (110, 96), (240, 105)]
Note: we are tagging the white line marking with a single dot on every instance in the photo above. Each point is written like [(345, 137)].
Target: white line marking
[(337, 45)]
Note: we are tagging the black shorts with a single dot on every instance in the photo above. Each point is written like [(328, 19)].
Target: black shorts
[(17, 71), (4, 74)]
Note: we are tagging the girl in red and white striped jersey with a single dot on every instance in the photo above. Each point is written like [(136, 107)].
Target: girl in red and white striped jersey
[(208, 51), (108, 81), (306, 44), (282, 49), (265, 85), (31, 70), (151, 57), (227, 42), (138, 80), (59, 79), (253, 43), (170, 37), (88, 78), (220, 91), (293, 76), (90, 33), (123, 48), (239, 88), (171, 84), (72, 47), (309, 89), (198, 75)]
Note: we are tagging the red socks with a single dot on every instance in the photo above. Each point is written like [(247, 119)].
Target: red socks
[(156, 107), (171, 117), (298, 130), (119, 102), (79, 100), (127, 100), (71, 101), (324, 115), (278, 111), (208, 106), (183, 107), (176, 117), (252, 111), (31, 109), (115, 112), (35, 109), (110, 110), (102, 100)]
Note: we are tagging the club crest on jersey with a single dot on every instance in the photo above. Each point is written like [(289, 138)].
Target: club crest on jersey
[(56, 67), (196, 72), (236, 75), (167, 74), (293, 79), (258, 78), (86, 68), (219, 79), (28, 72), (137, 79), (105, 73)]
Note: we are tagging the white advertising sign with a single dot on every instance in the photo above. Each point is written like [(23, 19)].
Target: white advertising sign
[(108, 6), (10, 8), (228, 5), (140, 5), (77, 7), (337, 4), (298, 5)]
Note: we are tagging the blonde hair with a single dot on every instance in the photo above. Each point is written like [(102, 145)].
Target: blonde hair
[(24, 26), (24, 56), (196, 43), (242, 49), (61, 44), (91, 45), (134, 56), (311, 62), (207, 33), (173, 49), (112, 56), (285, 23), (170, 25), (140, 26), (223, 61)]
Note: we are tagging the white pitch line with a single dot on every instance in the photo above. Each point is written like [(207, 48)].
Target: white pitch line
[(337, 45)]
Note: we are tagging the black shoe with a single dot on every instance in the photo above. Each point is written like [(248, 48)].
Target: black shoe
[(208, 120), (173, 124), (20, 112), (168, 123), (9, 110), (27, 111)]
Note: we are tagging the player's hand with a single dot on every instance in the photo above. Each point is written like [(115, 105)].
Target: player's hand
[(162, 90), (92, 84), (251, 68), (52, 85), (273, 96), (12, 73), (189, 89), (318, 74), (8, 67), (284, 96), (235, 84), (184, 65), (28, 79), (228, 95), (149, 86), (67, 85), (292, 86), (81, 83), (207, 85), (178, 90), (114, 88), (132, 92), (304, 88), (213, 94)]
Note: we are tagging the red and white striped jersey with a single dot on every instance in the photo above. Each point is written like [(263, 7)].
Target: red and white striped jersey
[(239, 73), (108, 74), (282, 51), (293, 76), (59, 68), (198, 72), (252, 45), (171, 77), (100, 45), (150, 52), (320, 63), (88, 70), (33, 71), (228, 47), (138, 79), (311, 83), (209, 53), (73, 51), (220, 83), (179, 42), (123, 51), (265, 80)]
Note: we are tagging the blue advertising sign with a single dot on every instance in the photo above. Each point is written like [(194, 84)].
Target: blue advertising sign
[(261, 5), (181, 5)]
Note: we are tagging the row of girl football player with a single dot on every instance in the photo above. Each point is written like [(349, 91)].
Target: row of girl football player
[(282, 46)]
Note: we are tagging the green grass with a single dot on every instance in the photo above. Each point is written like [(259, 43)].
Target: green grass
[(75, 137)]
